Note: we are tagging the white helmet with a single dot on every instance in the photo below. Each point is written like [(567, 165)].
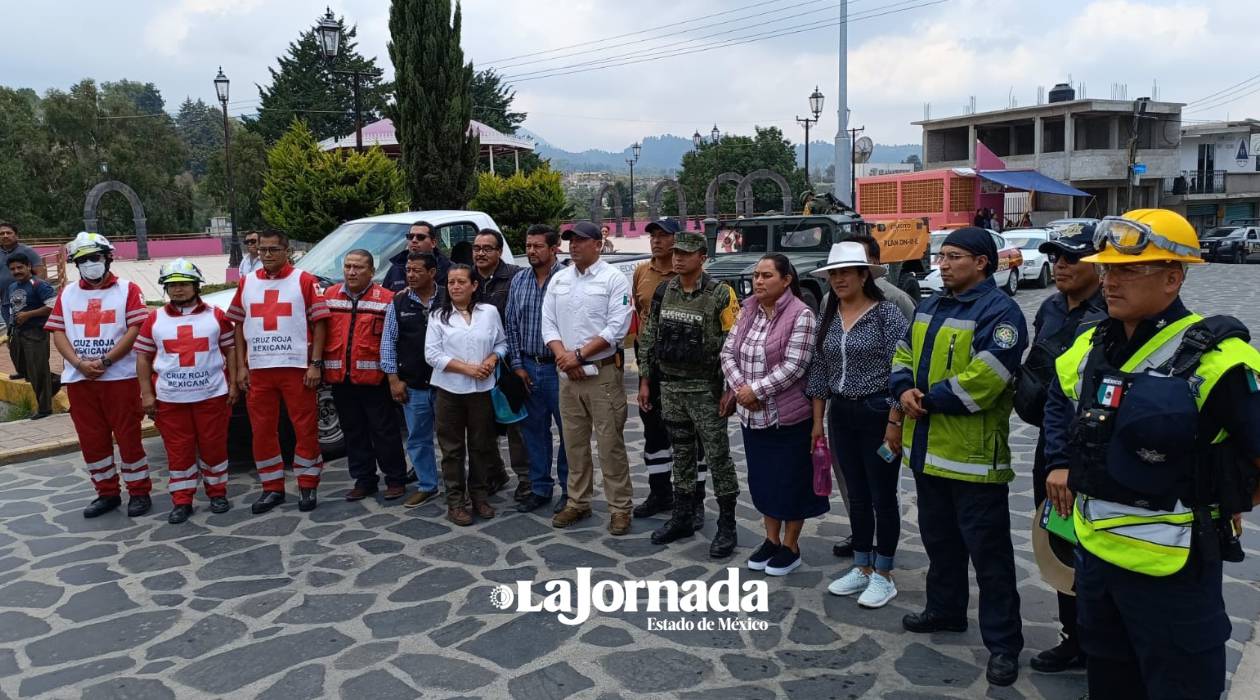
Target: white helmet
[(85, 244), (180, 270)]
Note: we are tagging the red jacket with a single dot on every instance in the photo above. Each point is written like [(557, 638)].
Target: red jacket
[(354, 334)]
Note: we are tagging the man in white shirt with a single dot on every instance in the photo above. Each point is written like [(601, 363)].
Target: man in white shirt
[(585, 316), (250, 262)]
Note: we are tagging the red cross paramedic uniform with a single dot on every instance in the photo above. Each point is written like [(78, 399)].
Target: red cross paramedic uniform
[(188, 348), (107, 409), (276, 313)]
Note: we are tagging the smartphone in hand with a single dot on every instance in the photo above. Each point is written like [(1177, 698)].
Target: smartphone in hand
[(885, 453)]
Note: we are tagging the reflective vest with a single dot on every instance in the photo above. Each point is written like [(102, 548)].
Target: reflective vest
[(355, 327), (1151, 542), (188, 355), (276, 329), (95, 320)]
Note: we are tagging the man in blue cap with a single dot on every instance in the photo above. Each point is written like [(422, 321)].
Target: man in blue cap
[(1078, 304), (952, 374)]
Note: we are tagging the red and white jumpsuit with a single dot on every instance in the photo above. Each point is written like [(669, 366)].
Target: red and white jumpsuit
[(276, 313), (105, 409), (188, 346)]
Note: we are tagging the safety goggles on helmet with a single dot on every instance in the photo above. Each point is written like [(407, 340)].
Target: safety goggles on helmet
[(1130, 237), (180, 270)]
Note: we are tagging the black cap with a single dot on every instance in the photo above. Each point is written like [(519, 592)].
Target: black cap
[(666, 225), (1080, 243), (976, 241), (583, 229)]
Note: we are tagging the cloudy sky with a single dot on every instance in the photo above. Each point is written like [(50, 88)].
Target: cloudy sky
[(724, 69)]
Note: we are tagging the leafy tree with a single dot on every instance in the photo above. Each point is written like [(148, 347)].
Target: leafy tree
[(304, 86), (307, 192), (517, 202), (200, 127), (24, 152), (913, 159), (249, 170), (739, 154), (492, 102), (433, 103)]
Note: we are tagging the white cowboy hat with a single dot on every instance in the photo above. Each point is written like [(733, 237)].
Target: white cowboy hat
[(848, 254)]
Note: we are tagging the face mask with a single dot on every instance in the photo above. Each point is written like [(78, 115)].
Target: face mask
[(92, 270)]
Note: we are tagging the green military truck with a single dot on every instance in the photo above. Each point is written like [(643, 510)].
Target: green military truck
[(737, 245)]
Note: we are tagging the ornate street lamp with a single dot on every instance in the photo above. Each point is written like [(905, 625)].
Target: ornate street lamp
[(696, 140), (815, 106), (221, 85), (715, 134), (635, 149), (329, 32)]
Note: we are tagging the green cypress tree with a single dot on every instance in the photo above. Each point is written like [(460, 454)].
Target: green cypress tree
[(433, 103)]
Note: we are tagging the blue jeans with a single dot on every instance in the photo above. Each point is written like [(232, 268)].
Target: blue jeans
[(543, 405), (419, 412)]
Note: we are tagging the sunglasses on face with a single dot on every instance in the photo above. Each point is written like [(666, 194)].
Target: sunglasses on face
[(251, 242), (1069, 258), (417, 236)]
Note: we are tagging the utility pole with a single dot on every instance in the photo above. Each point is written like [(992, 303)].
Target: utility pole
[(1139, 112), (844, 145), (852, 133)]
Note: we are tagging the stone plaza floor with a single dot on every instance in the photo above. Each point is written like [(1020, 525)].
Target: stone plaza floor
[(367, 600)]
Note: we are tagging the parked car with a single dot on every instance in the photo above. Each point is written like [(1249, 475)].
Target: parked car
[(384, 237), (1036, 267), (1008, 264), (1233, 244)]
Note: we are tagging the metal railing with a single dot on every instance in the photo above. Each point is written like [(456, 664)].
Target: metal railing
[(1196, 182)]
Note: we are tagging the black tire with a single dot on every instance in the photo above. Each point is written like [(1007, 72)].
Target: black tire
[(1240, 258), (1012, 282), (332, 441), (1043, 280), (909, 284)]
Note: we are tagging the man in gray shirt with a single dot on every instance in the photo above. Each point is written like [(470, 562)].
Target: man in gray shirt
[(10, 246)]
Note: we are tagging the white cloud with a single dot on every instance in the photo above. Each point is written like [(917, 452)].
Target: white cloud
[(168, 29)]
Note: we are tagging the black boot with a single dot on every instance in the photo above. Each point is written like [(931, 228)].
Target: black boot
[(101, 506), (725, 540), (307, 500), (679, 524), (179, 514), (659, 499), (697, 507), (267, 501), (138, 506), (220, 504)]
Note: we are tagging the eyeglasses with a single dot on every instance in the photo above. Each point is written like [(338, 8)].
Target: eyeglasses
[(1069, 258), (1126, 273), (484, 249), (953, 257), (249, 241), (417, 236), (271, 250)]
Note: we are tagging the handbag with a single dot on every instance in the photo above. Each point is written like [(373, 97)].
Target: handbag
[(822, 468), (726, 405), (507, 410)]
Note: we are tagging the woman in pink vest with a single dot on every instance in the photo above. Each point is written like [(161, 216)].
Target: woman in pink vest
[(765, 361)]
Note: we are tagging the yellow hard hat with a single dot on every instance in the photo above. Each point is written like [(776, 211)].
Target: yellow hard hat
[(1145, 235)]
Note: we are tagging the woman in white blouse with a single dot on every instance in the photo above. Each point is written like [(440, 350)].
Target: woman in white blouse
[(463, 344)]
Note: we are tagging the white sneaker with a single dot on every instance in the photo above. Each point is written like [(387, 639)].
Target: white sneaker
[(878, 592), (850, 583)]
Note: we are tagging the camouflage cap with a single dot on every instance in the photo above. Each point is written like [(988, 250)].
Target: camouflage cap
[(690, 242)]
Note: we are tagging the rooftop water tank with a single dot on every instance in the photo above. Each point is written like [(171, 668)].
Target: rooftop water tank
[(1062, 93)]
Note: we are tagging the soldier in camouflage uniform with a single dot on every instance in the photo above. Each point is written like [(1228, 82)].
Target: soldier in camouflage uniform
[(681, 338)]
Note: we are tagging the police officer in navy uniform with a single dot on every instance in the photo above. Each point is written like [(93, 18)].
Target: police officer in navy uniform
[(1062, 316), (1153, 445)]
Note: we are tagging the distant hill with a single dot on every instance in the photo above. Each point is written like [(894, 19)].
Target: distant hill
[(663, 153)]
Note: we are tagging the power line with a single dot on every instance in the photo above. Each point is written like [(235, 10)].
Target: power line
[(670, 38), (1225, 100), (732, 42), (1206, 98)]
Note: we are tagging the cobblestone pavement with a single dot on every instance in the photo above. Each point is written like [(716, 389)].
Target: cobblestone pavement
[(364, 600)]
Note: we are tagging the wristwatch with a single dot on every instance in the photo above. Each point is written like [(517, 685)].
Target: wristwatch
[(106, 362), (317, 364), (577, 354)]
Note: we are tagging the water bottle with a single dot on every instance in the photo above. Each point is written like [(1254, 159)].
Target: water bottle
[(822, 468)]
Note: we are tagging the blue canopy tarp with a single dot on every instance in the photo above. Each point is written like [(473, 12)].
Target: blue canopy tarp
[(1031, 181)]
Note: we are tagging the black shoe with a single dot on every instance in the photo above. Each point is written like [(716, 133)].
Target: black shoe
[(101, 506), (16, 377), (41, 414), (267, 501), (763, 555), (660, 498), (697, 507), (220, 504), (926, 622), (843, 548), (179, 514), (1003, 669), (724, 540), (138, 506), (532, 502), (564, 499), (679, 524), (307, 500), (1065, 656)]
